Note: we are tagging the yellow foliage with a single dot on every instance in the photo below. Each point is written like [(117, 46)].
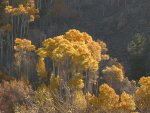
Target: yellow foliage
[(21, 9), (104, 49), (44, 100), (107, 98), (8, 9), (142, 95), (127, 103), (115, 71), (54, 82), (23, 45), (108, 101), (92, 101), (145, 81), (27, 8), (41, 69), (42, 90), (76, 82), (79, 100), (32, 18), (84, 52)]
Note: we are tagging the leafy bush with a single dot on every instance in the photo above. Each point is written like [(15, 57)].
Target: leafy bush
[(14, 92)]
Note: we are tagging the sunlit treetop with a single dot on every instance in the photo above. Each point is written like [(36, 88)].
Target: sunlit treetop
[(126, 102), (26, 8), (144, 81), (80, 48), (108, 101), (77, 36), (142, 94), (23, 45), (8, 9), (115, 71), (107, 98)]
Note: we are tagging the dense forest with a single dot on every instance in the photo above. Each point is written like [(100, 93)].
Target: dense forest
[(74, 56)]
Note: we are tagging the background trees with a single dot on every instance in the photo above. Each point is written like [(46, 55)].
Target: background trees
[(138, 49)]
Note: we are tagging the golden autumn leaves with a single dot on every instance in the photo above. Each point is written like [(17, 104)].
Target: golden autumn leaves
[(76, 52), (41, 69), (108, 101), (82, 51), (115, 71), (23, 45), (75, 49), (28, 9), (142, 95)]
